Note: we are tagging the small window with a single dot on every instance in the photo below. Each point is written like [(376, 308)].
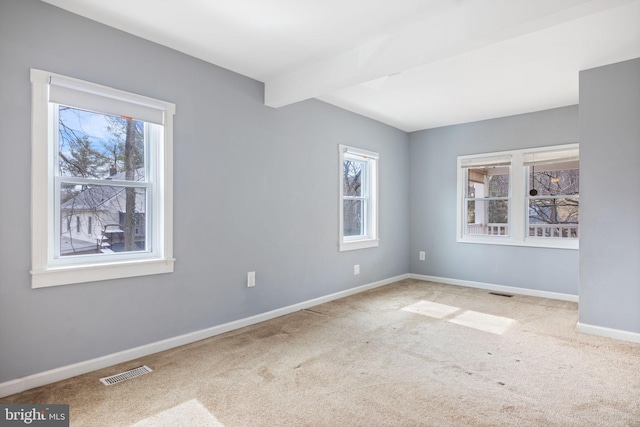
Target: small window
[(520, 197), (358, 198), (487, 196), (99, 154)]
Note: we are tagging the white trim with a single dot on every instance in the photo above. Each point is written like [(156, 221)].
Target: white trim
[(347, 245), (530, 242), (68, 275), (354, 151), (617, 334), (78, 93), (64, 372), (499, 288)]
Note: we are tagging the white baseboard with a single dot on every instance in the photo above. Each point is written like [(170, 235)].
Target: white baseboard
[(499, 288), (617, 334), (64, 372)]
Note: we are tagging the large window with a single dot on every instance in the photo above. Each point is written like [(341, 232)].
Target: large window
[(104, 157), (521, 197), (358, 198)]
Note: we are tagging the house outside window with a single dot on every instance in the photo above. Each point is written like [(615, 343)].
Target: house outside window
[(358, 198), (521, 197), (487, 195), (105, 157)]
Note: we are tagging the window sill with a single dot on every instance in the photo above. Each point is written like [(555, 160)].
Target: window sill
[(358, 244), (68, 275), (572, 244)]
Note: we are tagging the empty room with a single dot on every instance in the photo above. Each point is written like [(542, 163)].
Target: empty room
[(306, 213)]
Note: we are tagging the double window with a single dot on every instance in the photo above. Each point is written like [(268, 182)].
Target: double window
[(521, 197), (358, 198), (103, 157)]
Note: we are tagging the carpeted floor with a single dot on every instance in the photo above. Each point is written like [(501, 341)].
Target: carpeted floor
[(411, 353)]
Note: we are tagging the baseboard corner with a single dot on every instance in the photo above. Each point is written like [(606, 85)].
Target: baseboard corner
[(602, 331)]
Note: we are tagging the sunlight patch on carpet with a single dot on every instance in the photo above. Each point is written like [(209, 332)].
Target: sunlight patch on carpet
[(431, 309), (484, 322), (189, 413)]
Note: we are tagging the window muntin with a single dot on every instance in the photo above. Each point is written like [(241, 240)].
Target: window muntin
[(358, 198), (548, 217), (103, 156)]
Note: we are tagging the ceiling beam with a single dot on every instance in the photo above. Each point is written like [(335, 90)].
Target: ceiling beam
[(470, 25)]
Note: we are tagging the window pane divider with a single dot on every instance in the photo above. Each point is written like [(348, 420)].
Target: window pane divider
[(482, 199), (560, 196), (103, 182)]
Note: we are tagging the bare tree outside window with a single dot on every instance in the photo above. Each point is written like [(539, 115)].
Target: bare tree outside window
[(556, 201), (353, 203), (104, 148)]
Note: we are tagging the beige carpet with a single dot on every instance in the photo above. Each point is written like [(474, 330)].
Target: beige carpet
[(408, 354)]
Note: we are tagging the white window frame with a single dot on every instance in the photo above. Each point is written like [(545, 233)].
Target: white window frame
[(518, 201), (369, 238), (48, 268)]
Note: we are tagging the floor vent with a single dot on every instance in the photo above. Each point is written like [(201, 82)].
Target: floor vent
[(127, 375), (501, 294)]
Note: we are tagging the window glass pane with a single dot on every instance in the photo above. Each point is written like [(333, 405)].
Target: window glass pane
[(557, 217), (488, 217), (488, 182), (353, 217), (353, 177), (93, 145), (116, 215), (561, 179)]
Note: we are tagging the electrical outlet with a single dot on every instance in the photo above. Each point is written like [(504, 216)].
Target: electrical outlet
[(422, 255), (251, 279), (356, 269)]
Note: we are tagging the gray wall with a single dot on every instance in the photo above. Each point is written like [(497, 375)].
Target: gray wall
[(433, 155), (610, 196), (255, 189)]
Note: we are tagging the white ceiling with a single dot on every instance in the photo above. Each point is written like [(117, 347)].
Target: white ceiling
[(413, 64)]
